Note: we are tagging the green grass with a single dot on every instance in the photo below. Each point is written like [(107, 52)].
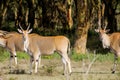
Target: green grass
[(22, 55), (91, 56), (106, 57), (55, 55), (6, 55), (3, 56), (76, 57)]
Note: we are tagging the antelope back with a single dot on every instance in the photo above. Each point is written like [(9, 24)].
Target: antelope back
[(15, 42)]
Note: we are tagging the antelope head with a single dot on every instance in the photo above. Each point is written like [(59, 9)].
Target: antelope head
[(25, 36), (24, 32), (102, 31), (104, 37)]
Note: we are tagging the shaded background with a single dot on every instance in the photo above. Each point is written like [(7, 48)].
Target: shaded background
[(75, 19)]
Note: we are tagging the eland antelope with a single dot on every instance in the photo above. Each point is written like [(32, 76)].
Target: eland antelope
[(12, 41), (37, 45), (111, 41)]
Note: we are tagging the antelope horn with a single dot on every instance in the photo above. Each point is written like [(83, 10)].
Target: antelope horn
[(106, 23), (20, 27), (99, 24), (28, 26)]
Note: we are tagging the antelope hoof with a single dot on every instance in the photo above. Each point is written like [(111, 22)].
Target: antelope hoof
[(35, 72), (30, 73), (113, 72), (70, 73), (63, 74)]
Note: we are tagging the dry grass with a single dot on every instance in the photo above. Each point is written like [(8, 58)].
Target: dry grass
[(53, 69)]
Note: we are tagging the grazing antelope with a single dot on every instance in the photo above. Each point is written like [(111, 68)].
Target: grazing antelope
[(37, 45), (111, 41), (12, 41)]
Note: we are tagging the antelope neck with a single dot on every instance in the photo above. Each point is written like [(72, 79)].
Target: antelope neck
[(26, 43), (105, 41)]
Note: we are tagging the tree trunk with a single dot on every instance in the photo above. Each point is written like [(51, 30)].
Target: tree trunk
[(16, 15), (19, 14), (81, 40), (26, 16), (69, 14), (4, 5), (83, 26)]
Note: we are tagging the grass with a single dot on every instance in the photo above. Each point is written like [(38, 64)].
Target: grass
[(90, 56), (76, 57), (52, 70), (55, 55), (22, 55), (3, 55)]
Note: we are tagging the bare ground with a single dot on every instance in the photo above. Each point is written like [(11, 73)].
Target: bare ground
[(53, 69)]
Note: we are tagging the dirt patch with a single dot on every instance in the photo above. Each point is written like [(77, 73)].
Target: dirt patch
[(53, 70)]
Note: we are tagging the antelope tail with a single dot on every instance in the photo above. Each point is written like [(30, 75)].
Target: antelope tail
[(69, 50)]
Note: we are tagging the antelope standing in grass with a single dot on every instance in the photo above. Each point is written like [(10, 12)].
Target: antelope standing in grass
[(37, 45), (13, 42), (111, 41)]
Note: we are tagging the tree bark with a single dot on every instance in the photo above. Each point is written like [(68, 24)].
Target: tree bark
[(3, 10), (82, 28), (81, 40), (69, 14)]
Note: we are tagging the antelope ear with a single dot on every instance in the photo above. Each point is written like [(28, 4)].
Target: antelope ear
[(107, 30), (97, 30), (20, 31), (29, 31)]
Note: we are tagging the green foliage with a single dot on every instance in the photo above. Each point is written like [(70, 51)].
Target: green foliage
[(8, 26)]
